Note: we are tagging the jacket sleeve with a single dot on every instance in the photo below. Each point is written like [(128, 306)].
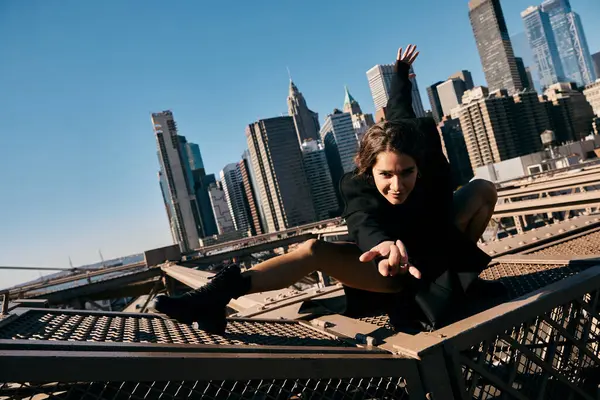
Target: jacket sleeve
[(437, 168), (362, 213), (399, 106)]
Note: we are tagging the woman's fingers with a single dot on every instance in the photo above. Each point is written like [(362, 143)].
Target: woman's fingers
[(395, 257), (368, 256), (386, 269), (409, 51), (399, 56), (403, 252), (413, 58), (414, 272)]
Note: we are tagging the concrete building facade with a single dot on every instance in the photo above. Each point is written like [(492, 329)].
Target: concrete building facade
[(488, 126), (450, 94)]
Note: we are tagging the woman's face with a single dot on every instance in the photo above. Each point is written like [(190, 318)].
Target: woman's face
[(395, 176)]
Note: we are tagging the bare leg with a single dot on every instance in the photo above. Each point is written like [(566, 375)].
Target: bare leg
[(339, 260), (474, 205)]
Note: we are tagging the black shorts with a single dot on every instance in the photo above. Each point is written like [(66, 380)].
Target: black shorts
[(453, 252)]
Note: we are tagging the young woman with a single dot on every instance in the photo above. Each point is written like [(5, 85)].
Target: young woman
[(414, 249)]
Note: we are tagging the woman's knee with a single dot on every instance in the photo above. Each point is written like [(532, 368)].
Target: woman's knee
[(313, 247), (486, 191)]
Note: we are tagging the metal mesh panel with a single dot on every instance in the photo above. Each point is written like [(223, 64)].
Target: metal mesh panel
[(353, 388), (554, 356), (521, 279), (382, 320), (587, 245), (138, 328)]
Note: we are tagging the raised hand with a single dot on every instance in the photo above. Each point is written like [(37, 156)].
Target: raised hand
[(395, 261), (409, 56)]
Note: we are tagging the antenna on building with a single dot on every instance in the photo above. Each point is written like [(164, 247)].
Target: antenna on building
[(289, 73), (101, 258)]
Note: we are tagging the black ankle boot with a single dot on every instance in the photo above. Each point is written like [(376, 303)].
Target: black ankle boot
[(206, 305)]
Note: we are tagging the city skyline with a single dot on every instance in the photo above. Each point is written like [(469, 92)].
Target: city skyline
[(195, 123)]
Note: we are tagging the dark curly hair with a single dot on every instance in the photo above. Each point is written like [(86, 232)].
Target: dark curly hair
[(400, 137)]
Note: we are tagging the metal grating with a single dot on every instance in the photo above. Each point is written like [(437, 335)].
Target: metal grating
[(521, 278), (97, 327), (353, 388), (553, 356), (382, 320), (587, 245)]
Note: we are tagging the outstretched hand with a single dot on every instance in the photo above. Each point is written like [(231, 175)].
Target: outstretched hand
[(409, 56), (395, 261)]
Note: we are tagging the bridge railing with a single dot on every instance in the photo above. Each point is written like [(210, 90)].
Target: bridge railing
[(62, 354), (544, 345)]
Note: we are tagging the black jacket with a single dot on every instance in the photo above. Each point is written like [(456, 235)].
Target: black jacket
[(425, 221)]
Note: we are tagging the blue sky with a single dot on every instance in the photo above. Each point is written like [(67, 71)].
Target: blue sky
[(78, 80)]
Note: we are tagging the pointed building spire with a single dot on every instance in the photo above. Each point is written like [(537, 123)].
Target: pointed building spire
[(350, 105), (305, 120), (348, 99)]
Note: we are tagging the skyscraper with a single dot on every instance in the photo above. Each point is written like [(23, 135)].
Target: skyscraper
[(361, 122), (453, 144), (220, 208), (466, 77), (596, 61), (530, 82), (176, 182), (319, 178), (495, 48), (252, 207), (338, 131), (531, 119), (194, 156), (380, 83), (305, 120), (281, 180), (523, 73), (201, 183), (450, 94), (434, 100), (573, 110), (543, 45), (592, 95), (231, 179), (571, 42), (488, 127)]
